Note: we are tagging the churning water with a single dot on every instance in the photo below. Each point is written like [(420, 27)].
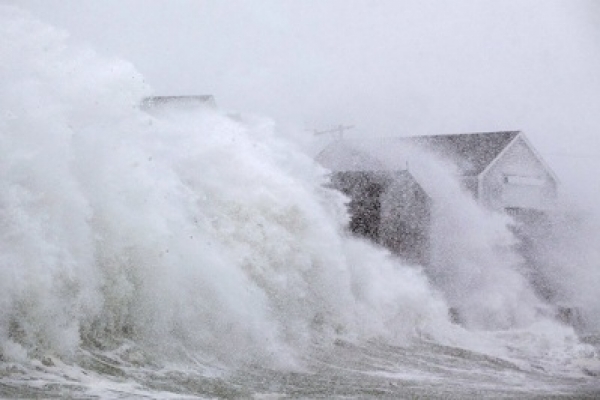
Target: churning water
[(191, 253)]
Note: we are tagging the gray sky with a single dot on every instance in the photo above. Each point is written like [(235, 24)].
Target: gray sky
[(390, 67)]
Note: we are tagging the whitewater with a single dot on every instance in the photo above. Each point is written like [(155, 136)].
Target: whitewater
[(192, 253)]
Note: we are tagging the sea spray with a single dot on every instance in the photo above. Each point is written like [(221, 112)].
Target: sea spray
[(474, 258), (194, 252), (563, 262), (468, 251), (188, 234)]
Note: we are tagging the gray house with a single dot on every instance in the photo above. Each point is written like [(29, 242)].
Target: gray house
[(501, 169), (391, 207)]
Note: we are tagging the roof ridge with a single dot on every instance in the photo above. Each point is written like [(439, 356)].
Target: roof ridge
[(461, 134)]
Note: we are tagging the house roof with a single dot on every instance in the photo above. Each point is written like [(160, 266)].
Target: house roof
[(471, 152), (185, 101)]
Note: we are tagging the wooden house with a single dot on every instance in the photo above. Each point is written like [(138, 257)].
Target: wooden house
[(501, 169), (389, 205)]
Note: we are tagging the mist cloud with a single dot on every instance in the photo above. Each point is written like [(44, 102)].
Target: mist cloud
[(389, 67)]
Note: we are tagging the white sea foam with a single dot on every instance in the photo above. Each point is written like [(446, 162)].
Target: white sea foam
[(196, 236), (187, 231)]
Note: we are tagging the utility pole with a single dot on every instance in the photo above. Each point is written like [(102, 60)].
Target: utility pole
[(337, 132)]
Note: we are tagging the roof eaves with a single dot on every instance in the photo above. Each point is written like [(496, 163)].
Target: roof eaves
[(499, 155), (540, 159)]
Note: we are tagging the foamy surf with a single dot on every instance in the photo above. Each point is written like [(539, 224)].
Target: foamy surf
[(193, 254)]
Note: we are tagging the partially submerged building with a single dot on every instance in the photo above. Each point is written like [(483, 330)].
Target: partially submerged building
[(502, 170), (390, 206)]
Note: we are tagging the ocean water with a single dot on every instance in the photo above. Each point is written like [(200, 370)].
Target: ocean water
[(195, 254)]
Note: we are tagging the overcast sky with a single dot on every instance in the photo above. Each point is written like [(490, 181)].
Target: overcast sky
[(389, 67)]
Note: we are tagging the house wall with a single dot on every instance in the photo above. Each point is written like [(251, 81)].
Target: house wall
[(364, 188), (470, 184), (406, 220), (389, 208), (518, 180)]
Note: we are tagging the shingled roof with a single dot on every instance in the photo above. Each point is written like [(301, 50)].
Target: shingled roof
[(471, 152)]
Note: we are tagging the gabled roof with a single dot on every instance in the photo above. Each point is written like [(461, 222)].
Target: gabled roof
[(471, 152)]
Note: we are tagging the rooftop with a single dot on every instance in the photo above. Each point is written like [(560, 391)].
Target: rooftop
[(179, 101), (471, 152)]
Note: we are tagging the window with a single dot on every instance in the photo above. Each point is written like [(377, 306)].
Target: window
[(523, 180)]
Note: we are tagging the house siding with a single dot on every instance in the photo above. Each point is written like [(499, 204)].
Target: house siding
[(471, 185), (389, 208), (518, 180), (406, 219)]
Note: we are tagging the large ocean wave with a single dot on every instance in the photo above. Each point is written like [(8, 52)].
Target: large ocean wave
[(203, 238)]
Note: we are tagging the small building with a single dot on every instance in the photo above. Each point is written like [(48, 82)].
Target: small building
[(155, 103), (389, 205), (501, 169)]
